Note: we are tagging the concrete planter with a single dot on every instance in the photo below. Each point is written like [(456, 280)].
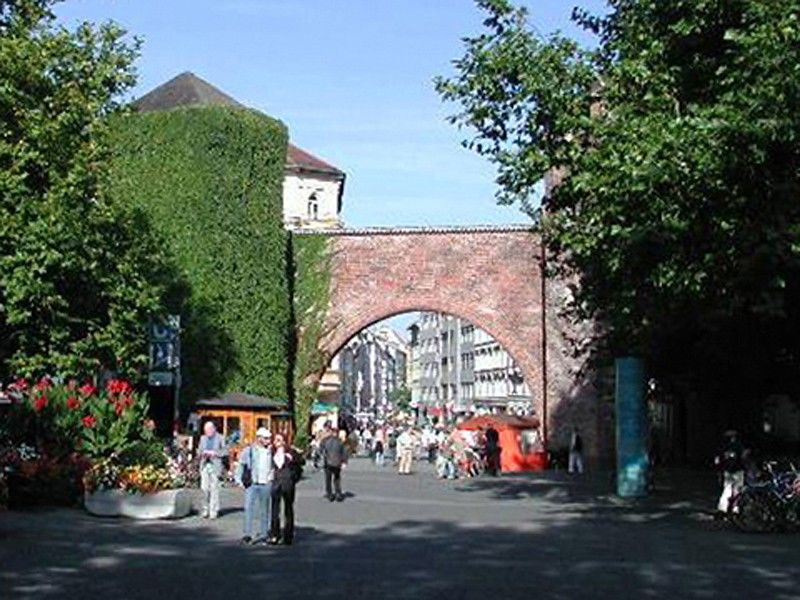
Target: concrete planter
[(168, 504)]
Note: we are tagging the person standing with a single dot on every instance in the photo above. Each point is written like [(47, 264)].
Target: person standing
[(255, 475), (379, 449), (576, 452), (211, 450), (730, 461), (493, 451), (334, 458), (286, 465)]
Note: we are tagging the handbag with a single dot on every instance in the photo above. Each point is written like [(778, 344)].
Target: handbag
[(247, 473)]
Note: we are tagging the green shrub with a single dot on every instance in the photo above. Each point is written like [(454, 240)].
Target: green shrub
[(210, 181), (312, 279)]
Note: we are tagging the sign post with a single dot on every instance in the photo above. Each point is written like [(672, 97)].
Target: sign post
[(165, 359)]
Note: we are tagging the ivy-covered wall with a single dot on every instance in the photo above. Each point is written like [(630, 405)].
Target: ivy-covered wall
[(209, 178), (312, 280)]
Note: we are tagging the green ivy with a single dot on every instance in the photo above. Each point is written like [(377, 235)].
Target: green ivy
[(210, 181), (312, 280)]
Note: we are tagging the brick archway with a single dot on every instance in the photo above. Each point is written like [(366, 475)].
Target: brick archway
[(490, 276)]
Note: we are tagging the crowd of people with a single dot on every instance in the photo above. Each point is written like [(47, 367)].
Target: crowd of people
[(454, 452)]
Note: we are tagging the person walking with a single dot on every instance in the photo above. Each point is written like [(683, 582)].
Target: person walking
[(211, 450), (379, 448), (576, 452), (334, 458), (730, 461), (255, 474), (405, 452), (286, 469)]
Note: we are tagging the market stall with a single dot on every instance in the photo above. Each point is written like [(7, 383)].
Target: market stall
[(520, 441)]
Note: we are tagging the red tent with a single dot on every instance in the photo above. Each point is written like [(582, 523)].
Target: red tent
[(519, 440)]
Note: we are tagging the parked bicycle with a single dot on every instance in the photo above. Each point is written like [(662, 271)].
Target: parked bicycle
[(770, 503)]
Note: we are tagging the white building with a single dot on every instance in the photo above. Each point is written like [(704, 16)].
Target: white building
[(313, 190), (461, 368), (369, 369)]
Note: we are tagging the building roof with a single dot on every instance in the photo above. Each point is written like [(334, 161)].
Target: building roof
[(240, 400), (187, 89)]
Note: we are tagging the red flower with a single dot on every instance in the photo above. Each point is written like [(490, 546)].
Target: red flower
[(43, 384), (40, 403), (87, 389), (119, 408), (119, 387), (88, 421), (19, 385), (73, 403)]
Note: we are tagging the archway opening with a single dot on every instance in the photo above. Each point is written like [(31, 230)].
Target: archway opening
[(427, 368)]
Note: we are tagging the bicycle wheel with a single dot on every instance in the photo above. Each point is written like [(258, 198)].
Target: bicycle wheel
[(750, 512)]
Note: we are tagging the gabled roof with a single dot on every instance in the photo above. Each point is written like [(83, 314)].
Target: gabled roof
[(187, 89)]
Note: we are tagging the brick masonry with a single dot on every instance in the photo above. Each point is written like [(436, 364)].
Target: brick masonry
[(489, 276)]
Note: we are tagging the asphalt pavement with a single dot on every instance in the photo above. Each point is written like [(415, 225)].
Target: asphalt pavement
[(537, 536)]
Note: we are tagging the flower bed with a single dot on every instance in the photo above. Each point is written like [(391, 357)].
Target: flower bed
[(67, 442)]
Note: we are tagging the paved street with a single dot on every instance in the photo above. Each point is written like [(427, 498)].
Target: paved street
[(410, 537)]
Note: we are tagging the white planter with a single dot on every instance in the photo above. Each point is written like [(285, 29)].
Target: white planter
[(168, 504)]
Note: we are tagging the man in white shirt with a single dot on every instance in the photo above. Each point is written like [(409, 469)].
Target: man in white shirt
[(255, 475)]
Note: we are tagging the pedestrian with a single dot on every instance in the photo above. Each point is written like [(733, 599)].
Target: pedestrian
[(730, 462), (334, 458), (211, 450), (255, 475), (405, 452), (380, 440), (576, 452), (493, 451), (287, 469)]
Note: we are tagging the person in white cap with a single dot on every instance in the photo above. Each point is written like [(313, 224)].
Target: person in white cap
[(255, 475)]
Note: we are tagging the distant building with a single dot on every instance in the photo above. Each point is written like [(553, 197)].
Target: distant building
[(370, 368), (462, 368), (313, 190)]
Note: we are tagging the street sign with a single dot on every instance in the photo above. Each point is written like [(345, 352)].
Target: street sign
[(160, 378)]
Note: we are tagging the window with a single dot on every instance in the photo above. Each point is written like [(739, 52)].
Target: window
[(313, 206)]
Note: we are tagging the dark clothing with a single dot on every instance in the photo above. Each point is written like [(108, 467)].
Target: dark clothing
[(283, 491), (577, 443), (334, 453), (335, 474), (730, 458), (492, 438)]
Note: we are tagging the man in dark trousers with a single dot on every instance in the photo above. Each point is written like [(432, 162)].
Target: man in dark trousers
[(492, 451), (334, 456)]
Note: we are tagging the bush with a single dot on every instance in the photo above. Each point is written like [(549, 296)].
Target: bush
[(210, 180)]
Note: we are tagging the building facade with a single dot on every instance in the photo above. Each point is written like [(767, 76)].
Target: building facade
[(313, 189), (365, 375), (462, 368)]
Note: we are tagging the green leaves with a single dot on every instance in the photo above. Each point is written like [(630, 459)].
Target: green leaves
[(78, 273), (208, 180), (677, 144)]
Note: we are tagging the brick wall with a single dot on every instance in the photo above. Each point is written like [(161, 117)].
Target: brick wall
[(490, 276)]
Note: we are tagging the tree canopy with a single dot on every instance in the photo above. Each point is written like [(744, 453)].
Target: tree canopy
[(674, 143), (79, 274)]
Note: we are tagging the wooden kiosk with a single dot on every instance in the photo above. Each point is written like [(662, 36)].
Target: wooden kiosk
[(238, 416)]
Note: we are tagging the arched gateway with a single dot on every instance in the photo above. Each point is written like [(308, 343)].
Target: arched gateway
[(491, 276)]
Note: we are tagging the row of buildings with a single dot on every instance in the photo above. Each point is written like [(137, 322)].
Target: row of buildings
[(447, 366)]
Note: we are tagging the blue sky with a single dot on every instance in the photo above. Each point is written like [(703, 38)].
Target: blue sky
[(352, 79)]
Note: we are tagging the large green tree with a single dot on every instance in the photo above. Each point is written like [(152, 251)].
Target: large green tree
[(676, 143), (78, 273)]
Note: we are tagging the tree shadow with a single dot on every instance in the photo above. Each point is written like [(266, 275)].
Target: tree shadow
[(586, 552)]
